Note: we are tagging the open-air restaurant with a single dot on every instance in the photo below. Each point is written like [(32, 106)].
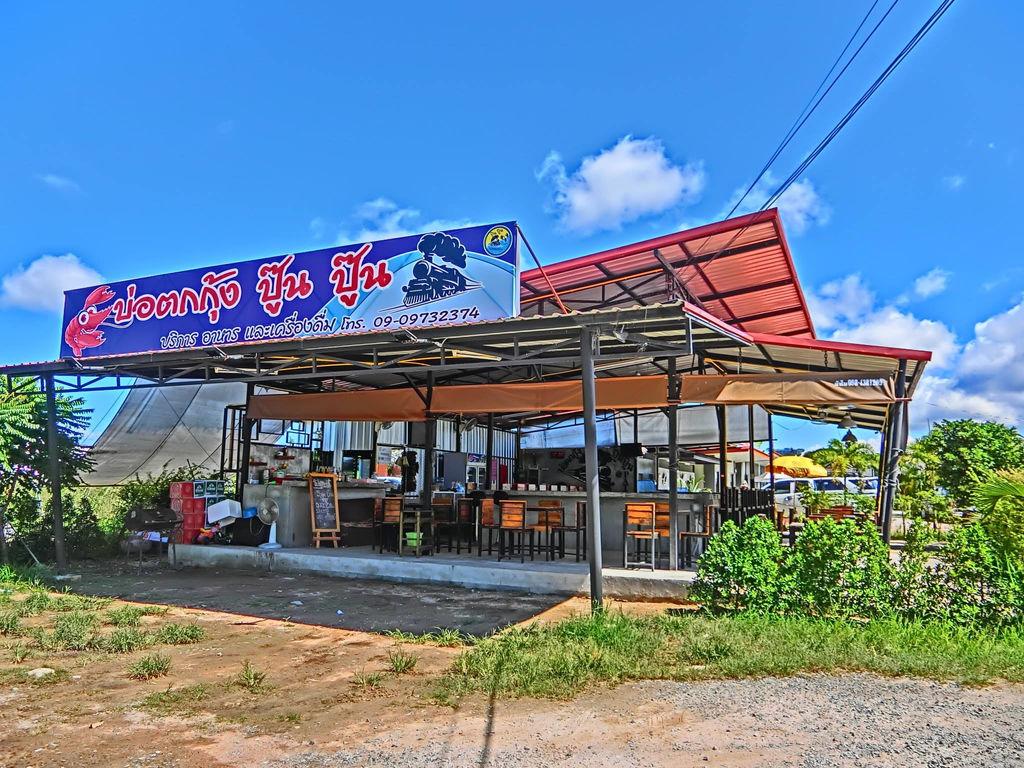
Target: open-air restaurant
[(444, 407)]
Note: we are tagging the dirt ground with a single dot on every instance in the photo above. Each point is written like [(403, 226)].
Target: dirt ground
[(323, 705)]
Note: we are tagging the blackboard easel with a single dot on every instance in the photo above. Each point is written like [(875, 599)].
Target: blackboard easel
[(323, 508)]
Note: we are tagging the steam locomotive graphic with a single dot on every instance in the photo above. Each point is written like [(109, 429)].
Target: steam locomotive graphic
[(438, 274)]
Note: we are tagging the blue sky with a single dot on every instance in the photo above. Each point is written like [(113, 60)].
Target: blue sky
[(146, 137)]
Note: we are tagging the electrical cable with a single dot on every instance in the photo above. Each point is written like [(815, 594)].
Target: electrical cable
[(925, 28), (804, 115)]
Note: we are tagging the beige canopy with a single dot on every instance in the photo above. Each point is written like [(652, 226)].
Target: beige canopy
[(613, 394)]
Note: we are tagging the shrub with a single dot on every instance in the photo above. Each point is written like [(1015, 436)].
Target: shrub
[(838, 569), (977, 583), (741, 568)]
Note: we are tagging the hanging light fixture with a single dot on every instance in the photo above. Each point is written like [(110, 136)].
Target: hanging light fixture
[(849, 437), (847, 422)]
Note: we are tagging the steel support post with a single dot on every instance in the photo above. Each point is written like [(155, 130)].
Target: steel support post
[(246, 437), (590, 454), (489, 471), (53, 451), (896, 445), (673, 466)]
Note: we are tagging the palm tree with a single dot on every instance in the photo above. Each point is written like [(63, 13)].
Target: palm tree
[(844, 459)]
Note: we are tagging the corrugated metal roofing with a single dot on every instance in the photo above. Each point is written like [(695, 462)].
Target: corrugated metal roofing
[(740, 270)]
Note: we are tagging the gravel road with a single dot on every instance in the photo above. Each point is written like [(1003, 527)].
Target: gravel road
[(809, 721)]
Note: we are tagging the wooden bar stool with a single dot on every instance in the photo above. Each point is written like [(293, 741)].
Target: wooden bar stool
[(386, 518), (513, 526), (639, 526)]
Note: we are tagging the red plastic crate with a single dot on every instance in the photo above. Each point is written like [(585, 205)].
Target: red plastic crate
[(185, 489), (176, 504), (199, 505), (194, 520)]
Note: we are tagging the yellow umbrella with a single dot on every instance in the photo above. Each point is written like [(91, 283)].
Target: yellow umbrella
[(798, 466)]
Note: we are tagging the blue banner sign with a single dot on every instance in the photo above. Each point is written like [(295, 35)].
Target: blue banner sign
[(418, 281)]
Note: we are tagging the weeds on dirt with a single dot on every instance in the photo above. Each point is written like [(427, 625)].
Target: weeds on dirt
[(131, 615), (148, 667), (37, 602), (19, 653), (67, 601), (294, 718), (559, 660), (400, 661), (73, 631), (368, 680), (10, 623), (445, 637), (22, 677), (251, 678), (180, 634), (126, 640), (177, 701)]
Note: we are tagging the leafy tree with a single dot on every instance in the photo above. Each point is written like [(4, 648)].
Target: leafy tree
[(25, 457), (967, 449), (917, 495)]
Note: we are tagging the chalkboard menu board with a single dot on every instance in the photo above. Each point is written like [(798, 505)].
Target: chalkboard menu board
[(323, 501)]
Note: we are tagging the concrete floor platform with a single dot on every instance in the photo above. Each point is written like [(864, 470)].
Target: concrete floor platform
[(560, 577)]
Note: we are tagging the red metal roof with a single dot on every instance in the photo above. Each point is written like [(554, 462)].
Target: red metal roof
[(739, 270)]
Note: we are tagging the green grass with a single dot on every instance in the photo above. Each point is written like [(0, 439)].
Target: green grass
[(148, 667), (131, 615), (180, 634), (10, 623), (367, 680), (20, 652), (560, 660), (126, 640), (72, 631), (177, 701), (400, 661), (251, 678), (444, 637)]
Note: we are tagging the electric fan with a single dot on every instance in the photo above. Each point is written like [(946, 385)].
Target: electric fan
[(268, 512)]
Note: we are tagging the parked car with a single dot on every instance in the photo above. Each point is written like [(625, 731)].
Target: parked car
[(788, 489)]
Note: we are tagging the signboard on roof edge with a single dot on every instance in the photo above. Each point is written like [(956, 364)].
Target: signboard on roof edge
[(457, 276)]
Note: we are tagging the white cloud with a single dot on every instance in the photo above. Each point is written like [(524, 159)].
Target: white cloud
[(632, 179), (931, 283), (954, 181), (60, 183), (318, 227), (838, 302), (40, 285), (800, 205), (982, 379), (382, 218)]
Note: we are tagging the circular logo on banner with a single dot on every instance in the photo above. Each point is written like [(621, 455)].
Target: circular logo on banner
[(498, 240)]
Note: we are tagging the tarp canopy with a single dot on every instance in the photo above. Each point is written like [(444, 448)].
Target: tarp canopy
[(789, 388), (613, 394)]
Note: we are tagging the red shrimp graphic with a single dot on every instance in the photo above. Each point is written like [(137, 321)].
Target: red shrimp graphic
[(83, 331)]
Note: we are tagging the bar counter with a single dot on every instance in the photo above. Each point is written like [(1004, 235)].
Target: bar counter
[(691, 511)]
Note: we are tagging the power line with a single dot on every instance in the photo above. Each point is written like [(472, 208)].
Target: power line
[(925, 28), (805, 115), (937, 14)]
